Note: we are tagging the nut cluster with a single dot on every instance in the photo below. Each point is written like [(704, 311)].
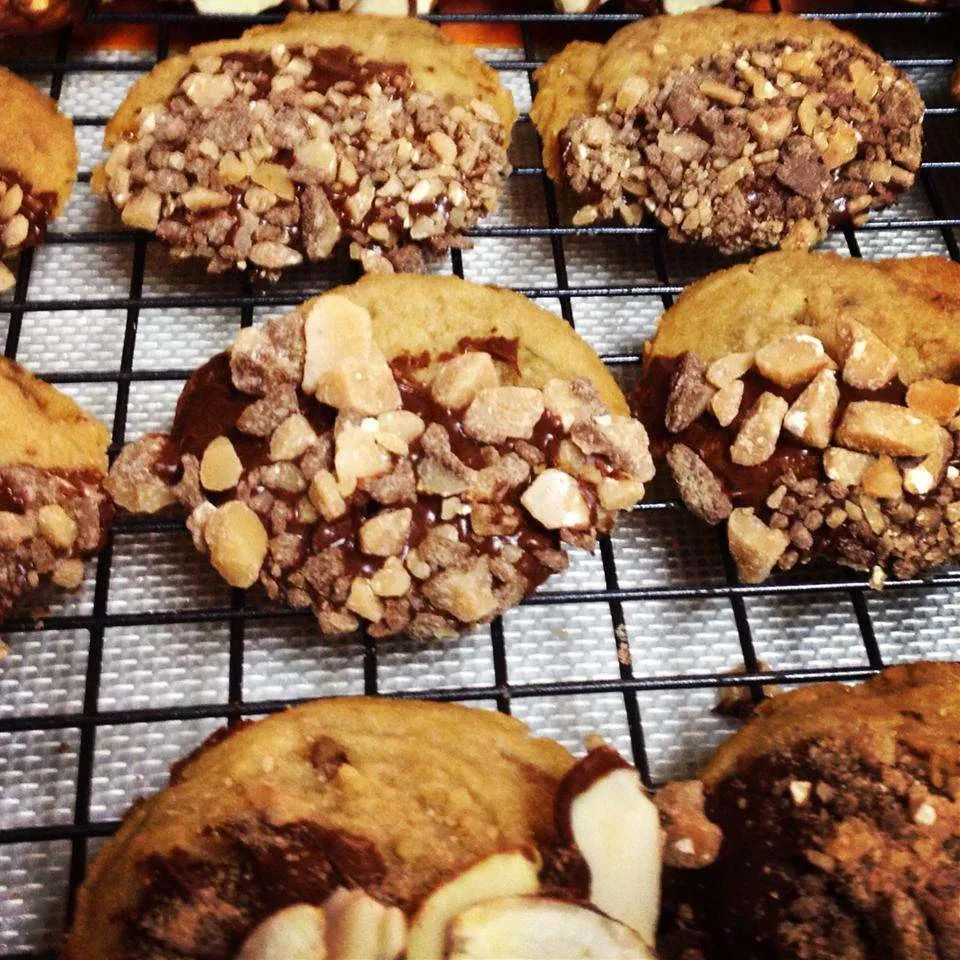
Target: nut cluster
[(23, 219), (414, 505), (864, 470), (48, 522), (262, 161), (757, 147)]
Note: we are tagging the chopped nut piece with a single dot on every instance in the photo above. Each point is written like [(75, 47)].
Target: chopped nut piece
[(882, 479), (700, 490), (494, 519), (619, 494), (363, 601), (868, 363), (56, 526), (683, 816), (800, 791), (754, 546), (935, 399), (142, 210), (689, 393), (726, 402), (929, 472), (500, 413), (622, 440), (757, 438), (68, 574), (555, 500), (466, 593), (401, 423), (792, 360), (810, 417), (876, 427), (292, 438), (220, 468), (325, 495), (16, 527), (386, 533), (459, 380), (238, 543), (273, 177), (845, 466), (132, 482), (724, 370), (7, 279), (571, 401), (391, 580)]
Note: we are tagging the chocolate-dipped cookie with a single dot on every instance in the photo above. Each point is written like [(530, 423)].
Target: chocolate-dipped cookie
[(38, 165), (809, 402), (267, 151), (841, 828), (372, 828), (734, 130), (409, 453), (53, 510)]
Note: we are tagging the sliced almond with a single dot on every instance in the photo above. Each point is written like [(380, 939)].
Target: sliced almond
[(760, 430), (872, 426), (792, 360), (811, 415)]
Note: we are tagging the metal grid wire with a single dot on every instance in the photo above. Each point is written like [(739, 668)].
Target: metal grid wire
[(632, 642)]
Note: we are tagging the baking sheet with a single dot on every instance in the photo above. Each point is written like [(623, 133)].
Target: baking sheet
[(665, 558)]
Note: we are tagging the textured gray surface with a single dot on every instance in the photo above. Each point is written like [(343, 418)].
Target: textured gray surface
[(187, 664)]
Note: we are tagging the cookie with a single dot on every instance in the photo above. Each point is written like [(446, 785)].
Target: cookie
[(266, 151), (734, 130), (420, 810), (840, 820), (38, 165), (810, 402), (53, 510), (409, 453)]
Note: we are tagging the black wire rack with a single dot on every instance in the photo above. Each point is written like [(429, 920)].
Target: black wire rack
[(923, 41)]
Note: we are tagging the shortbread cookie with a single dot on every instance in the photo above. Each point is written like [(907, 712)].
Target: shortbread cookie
[(810, 401), (53, 510), (408, 452), (735, 130), (38, 165), (841, 828), (269, 150), (374, 828)]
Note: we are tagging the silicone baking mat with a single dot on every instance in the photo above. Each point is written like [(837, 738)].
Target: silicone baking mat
[(155, 652)]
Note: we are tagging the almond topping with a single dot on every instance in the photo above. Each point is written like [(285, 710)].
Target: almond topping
[(391, 580), (363, 601), (273, 177), (56, 526), (555, 500), (754, 546), (500, 413), (935, 399), (292, 438), (467, 593), (811, 415), (882, 479), (792, 360), (68, 574), (142, 210), (928, 473), (759, 432), (325, 495), (220, 468), (385, 534), (876, 427)]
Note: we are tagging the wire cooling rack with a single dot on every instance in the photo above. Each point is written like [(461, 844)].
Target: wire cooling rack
[(154, 652)]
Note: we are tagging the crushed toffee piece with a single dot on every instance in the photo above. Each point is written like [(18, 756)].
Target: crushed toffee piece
[(395, 496), (24, 213), (758, 147), (49, 521), (866, 476), (261, 161)]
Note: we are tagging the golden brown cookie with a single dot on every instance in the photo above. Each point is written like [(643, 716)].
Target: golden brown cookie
[(841, 825), (810, 401), (406, 453), (269, 150), (38, 165), (735, 130), (53, 510), (375, 823)]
